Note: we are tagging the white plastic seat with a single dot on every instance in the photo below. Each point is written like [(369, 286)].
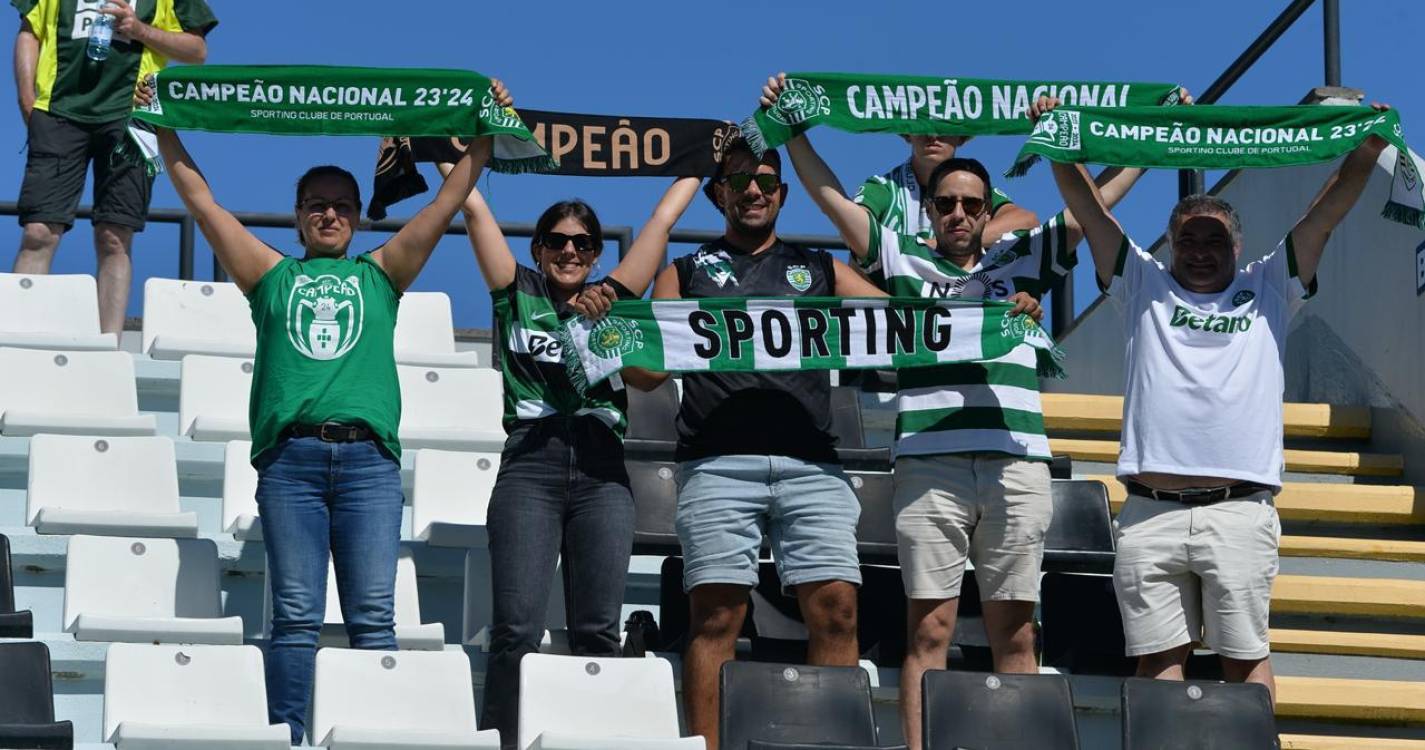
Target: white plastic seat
[(52, 311), (577, 702), (397, 700), (70, 393), (175, 697), (411, 634), (425, 333), (196, 317), (145, 591), (213, 397), (114, 486), (449, 497), (240, 492), (451, 408)]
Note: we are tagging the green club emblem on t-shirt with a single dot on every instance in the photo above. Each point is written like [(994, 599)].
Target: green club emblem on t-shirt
[(614, 337), (1243, 297), (324, 315), (799, 277), (800, 102)]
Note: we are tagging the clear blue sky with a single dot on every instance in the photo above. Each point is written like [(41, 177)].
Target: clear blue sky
[(707, 60)]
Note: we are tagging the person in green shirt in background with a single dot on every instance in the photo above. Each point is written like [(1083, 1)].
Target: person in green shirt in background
[(325, 403), (75, 109)]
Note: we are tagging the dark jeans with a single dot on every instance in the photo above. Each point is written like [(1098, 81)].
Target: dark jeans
[(320, 501), (562, 487)]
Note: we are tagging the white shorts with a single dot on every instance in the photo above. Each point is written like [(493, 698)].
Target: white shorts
[(990, 508), (1197, 574)]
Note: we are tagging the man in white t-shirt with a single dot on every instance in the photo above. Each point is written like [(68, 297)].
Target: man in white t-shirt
[(1202, 417)]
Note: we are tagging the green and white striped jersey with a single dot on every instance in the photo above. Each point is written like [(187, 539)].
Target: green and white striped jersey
[(989, 406), (894, 200)]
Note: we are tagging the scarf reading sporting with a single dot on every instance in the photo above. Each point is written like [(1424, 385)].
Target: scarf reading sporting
[(927, 105), (1216, 137), (583, 145), (325, 100), (803, 333)]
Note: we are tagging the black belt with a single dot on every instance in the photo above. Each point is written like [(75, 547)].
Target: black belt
[(1197, 496), (331, 432)]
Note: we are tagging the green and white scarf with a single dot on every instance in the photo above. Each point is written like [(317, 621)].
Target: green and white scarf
[(740, 334), (1217, 137), (927, 105), (327, 100)]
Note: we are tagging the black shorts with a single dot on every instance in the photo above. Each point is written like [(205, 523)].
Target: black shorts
[(60, 152)]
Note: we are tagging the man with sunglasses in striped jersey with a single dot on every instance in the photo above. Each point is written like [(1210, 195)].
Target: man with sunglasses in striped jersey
[(972, 458)]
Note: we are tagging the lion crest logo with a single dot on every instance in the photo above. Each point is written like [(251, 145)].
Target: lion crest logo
[(800, 102), (612, 338)]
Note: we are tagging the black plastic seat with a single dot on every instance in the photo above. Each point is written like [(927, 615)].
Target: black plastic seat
[(997, 711), (12, 624), (850, 432), (761, 745), (1080, 538), (1168, 715), (876, 531), (652, 432), (794, 703), (27, 700), (655, 500)]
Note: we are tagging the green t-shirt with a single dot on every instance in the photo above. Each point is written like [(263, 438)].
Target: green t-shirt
[(326, 331), (536, 382), (69, 84)]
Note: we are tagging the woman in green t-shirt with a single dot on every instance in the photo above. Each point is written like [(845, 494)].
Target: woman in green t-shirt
[(325, 403), (562, 483)]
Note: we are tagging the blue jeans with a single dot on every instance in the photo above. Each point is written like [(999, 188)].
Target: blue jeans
[(320, 501), (562, 487)]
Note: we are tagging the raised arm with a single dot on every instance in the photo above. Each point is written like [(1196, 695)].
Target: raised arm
[(242, 255), (181, 45), (403, 256), (1337, 196), (1010, 217), (852, 221), (27, 55), (1088, 216), (492, 250), (637, 269), (850, 283)]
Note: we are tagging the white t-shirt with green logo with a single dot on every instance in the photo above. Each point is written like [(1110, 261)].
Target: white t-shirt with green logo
[(1204, 377)]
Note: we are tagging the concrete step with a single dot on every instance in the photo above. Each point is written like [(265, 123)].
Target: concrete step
[(1384, 550), (1389, 645), (1358, 597), (1328, 503), (1077, 412), (1374, 701), (1315, 462), (1317, 742)]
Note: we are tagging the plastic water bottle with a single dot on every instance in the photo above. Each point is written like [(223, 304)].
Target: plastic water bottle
[(101, 35)]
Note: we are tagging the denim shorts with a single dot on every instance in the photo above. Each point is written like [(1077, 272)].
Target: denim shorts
[(727, 503)]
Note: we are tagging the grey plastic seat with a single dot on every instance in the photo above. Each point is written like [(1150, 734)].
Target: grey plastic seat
[(997, 711), (1169, 715), (794, 703)]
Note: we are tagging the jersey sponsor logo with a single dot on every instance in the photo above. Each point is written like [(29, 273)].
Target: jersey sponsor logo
[(86, 12), (799, 276), (717, 265), (325, 315), (1243, 297), (539, 345), (800, 102), (978, 285), (1185, 318), (612, 338)]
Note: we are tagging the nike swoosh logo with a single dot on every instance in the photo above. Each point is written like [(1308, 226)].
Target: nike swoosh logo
[(541, 315)]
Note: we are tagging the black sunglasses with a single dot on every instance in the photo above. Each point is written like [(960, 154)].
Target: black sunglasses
[(739, 181), (583, 242), (945, 204)]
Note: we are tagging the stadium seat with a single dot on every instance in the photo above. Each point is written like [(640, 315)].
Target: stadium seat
[(876, 529), (12, 624), (213, 397), (1080, 538), (70, 393), (451, 408), (794, 703), (1169, 714), (655, 499), (112, 486), (479, 609), (652, 432), (449, 495), (395, 699), (240, 493), (850, 433), (27, 700), (765, 745), (582, 703), (52, 311), (997, 711), (410, 633), (161, 697), (145, 591), (1081, 626), (425, 333), (196, 317)]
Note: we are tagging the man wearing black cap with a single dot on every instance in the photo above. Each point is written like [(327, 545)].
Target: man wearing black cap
[(1202, 417)]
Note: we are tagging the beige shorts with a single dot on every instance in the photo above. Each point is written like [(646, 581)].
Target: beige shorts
[(987, 507), (1197, 574)]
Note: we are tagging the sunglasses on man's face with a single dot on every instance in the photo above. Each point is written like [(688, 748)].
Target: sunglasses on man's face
[(739, 181), (945, 204), (583, 242)]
